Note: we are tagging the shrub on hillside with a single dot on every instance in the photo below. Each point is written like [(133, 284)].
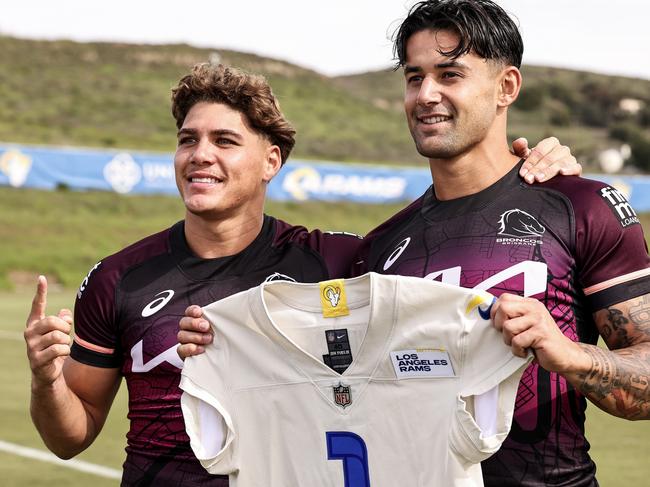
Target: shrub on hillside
[(638, 140)]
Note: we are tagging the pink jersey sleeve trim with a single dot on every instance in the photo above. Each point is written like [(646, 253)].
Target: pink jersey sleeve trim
[(93, 347), (617, 280)]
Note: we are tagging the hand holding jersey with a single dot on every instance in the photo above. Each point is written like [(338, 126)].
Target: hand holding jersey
[(527, 326), (286, 390), (195, 333)]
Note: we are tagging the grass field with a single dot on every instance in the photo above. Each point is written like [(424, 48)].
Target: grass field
[(63, 234)]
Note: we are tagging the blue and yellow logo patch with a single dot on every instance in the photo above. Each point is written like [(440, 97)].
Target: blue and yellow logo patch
[(483, 301)]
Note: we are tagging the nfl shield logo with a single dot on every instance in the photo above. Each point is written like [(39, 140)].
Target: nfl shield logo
[(342, 395)]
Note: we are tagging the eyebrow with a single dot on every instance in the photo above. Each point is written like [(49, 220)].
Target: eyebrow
[(452, 64), (447, 64), (213, 133)]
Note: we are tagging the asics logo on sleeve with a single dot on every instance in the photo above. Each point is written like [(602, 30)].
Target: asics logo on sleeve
[(397, 252), (157, 304)]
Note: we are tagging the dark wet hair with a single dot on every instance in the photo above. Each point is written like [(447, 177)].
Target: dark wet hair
[(483, 27)]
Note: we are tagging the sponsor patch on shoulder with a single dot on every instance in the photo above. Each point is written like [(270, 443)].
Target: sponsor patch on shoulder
[(422, 363), (619, 205)]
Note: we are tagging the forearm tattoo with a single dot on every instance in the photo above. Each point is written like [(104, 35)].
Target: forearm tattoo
[(619, 380)]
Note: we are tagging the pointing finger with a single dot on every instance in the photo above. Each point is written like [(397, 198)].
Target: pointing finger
[(39, 303)]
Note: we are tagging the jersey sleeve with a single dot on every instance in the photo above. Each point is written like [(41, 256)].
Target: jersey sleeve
[(611, 251), (95, 329), (489, 379), (206, 406), (336, 249), (97, 311)]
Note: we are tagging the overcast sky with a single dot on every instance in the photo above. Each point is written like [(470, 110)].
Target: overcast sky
[(339, 36)]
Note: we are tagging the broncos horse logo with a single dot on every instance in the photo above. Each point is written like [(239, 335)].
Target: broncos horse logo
[(518, 223)]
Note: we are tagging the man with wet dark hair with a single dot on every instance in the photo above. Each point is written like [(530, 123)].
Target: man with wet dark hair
[(574, 244)]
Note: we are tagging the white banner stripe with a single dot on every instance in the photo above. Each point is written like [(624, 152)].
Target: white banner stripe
[(44, 456)]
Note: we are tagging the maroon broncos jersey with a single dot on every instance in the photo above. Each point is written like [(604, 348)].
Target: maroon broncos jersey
[(573, 243), (127, 314)]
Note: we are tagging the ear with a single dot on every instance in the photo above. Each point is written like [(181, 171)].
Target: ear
[(272, 163), (509, 86)]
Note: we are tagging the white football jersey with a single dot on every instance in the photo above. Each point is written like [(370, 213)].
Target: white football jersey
[(397, 404)]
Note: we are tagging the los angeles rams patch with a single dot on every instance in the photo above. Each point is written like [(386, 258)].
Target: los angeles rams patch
[(422, 363)]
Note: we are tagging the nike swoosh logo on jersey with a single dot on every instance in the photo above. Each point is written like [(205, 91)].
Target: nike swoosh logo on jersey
[(157, 304), (397, 252)]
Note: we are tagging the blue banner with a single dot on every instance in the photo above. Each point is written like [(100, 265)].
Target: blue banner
[(302, 181), (130, 172), (82, 169)]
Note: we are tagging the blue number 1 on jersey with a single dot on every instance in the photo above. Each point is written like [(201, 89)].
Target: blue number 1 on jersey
[(349, 447)]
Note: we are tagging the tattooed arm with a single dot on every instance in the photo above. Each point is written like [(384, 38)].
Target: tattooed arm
[(618, 380)]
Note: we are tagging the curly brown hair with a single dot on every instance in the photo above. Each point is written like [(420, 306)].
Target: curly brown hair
[(247, 93)]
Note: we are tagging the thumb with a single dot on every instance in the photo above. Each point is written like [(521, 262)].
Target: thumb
[(66, 315), (520, 147), (39, 303)]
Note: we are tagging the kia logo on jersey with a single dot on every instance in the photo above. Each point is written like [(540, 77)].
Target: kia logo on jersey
[(401, 247), (157, 304)]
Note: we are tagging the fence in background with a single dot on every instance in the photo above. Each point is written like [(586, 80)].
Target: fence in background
[(149, 173)]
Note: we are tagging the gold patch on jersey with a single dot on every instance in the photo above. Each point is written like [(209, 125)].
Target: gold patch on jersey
[(333, 299)]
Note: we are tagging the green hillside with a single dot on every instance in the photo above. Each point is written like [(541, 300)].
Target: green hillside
[(117, 95)]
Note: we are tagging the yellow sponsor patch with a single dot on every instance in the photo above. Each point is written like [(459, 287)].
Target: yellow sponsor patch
[(333, 298)]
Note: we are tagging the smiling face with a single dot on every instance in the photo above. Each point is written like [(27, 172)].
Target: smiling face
[(222, 165), (450, 104)]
